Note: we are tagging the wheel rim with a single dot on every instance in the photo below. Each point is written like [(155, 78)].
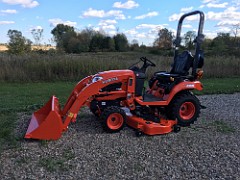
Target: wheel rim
[(187, 110), (115, 121)]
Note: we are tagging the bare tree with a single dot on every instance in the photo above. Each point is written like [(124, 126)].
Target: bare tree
[(235, 30), (37, 35), (189, 39)]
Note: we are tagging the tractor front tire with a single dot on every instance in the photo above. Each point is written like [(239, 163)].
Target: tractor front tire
[(185, 107), (94, 111), (113, 119)]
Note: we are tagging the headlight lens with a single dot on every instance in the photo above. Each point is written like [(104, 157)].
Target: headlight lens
[(96, 78)]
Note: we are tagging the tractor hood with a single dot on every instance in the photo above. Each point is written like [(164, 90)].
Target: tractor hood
[(116, 72), (112, 75)]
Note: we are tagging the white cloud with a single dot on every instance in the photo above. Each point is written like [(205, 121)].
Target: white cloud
[(101, 13), (227, 18), (9, 11), (227, 15), (112, 33), (149, 26), (127, 5), (36, 27), (150, 14), (131, 32), (186, 9), (141, 35), (6, 22), (227, 23), (176, 17), (231, 9), (96, 28), (107, 22), (213, 5), (23, 3), (187, 26), (236, 2), (55, 22), (111, 26), (208, 1), (94, 13), (224, 30), (210, 34)]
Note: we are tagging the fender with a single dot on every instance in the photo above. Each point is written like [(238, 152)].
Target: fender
[(185, 85)]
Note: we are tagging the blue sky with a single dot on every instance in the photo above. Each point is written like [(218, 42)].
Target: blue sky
[(138, 19)]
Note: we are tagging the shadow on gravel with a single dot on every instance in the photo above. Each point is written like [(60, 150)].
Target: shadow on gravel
[(86, 124)]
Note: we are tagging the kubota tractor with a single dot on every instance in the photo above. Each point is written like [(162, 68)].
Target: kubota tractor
[(118, 97)]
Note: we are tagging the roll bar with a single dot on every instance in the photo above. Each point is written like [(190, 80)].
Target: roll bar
[(199, 39)]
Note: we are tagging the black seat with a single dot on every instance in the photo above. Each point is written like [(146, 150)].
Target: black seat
[(182, 63)]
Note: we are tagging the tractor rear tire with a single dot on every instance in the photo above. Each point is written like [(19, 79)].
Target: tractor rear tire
[(185, 107), (113, 119)]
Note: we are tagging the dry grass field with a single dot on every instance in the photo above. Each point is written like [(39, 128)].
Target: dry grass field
[(34, 47), (52, 66), (3, 48)]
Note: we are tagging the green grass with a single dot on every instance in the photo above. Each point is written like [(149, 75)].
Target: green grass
[(52, 164), (28, 97), (220, 86), (223, 127), (57, 163), (16, 97)]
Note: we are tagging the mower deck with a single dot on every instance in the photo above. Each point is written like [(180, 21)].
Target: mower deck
[(149, 127)]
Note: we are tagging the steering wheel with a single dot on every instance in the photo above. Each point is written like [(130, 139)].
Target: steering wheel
[(147, 61)]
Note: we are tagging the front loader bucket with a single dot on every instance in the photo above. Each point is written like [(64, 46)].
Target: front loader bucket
[(46, 123)]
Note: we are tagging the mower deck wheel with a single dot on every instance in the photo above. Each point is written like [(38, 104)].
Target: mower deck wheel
[(138, 133), (176, 128)]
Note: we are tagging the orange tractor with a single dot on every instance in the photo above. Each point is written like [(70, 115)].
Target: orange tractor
[(118, 97)]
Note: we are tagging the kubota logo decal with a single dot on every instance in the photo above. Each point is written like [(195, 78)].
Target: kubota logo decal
[(190, 85), (110, 80)]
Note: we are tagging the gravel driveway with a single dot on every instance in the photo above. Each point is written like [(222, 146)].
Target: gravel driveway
[(209, 149)]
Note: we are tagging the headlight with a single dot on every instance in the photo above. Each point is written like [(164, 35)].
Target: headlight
[(96, 78)]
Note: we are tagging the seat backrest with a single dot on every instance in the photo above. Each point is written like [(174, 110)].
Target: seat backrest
[(182, 63)]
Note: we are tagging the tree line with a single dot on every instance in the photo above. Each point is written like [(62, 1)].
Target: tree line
[(68, 40)]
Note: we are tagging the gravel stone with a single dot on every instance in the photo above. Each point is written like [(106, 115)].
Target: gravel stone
[(203, 151)]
